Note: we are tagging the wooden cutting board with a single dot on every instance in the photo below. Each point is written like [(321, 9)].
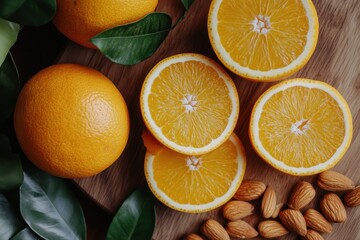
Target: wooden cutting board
[(335, 61)]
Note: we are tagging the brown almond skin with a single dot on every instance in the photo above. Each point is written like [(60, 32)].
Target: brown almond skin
[(294, 221), (334, 181), (352, 198), (317, 221), (313, 235), (332, 208), (214, 230), (268, 204), (241, 229), (302, 194), (271, 229), (250, 190), (193, 236), (235, 210)]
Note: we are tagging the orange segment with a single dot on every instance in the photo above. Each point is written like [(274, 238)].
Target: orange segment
[(196, 183), (189, 103), (301, 126), (152, 145), (263, 40)]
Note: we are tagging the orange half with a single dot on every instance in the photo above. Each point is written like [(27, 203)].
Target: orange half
[(189, 103), (263, 40), (194, 183), (301, 126)]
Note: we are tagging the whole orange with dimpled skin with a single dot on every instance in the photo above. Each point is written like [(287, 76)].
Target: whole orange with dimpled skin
[(80, 20), (71, 121)]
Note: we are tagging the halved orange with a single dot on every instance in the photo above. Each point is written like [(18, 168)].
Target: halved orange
[(194, 183), (189, 103), (263, 40), (301, 126)]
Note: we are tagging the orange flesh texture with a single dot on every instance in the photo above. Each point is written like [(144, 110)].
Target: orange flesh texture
[(322, 124), (212, 179), (278, 48), (213, 107)]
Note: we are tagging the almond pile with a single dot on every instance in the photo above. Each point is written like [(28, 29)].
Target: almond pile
[(308, 224)]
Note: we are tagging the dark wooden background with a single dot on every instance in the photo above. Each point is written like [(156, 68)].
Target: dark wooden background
[(336, 61)]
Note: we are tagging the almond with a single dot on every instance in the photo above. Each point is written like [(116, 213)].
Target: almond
[(277, 210), (332, 208), (301, 195), (241, 229), (313, 235), (213, 230), (235, 210), (294, 221), (317, 221), (271, 229), (250, 190), (352, 198), (334, 181), (193, 236), (268, 203)]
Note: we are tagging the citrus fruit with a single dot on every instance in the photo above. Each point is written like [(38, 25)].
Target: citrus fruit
[(301, 126), (71, 121), (189, 103), (194, 183), (80, 20), (263, 40)]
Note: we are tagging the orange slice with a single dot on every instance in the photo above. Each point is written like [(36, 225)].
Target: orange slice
[(189, 103), (263, 40), (301, 126), (194, 183)]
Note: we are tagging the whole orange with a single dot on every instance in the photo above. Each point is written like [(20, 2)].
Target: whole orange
[(71, 121), (81, 20)]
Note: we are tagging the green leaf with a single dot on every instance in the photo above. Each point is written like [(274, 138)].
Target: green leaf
[(132, 43), (11, 173), (49, 207), (33, 12), (25, 234), (9, 7), (5, 146), (9, 223), (9, 87), (135, 219), (8, 35), (187, 3)]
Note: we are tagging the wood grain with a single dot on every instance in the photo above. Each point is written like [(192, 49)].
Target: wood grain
[(335, 61)]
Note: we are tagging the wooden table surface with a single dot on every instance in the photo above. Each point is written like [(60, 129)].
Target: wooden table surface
[(336, 61)]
